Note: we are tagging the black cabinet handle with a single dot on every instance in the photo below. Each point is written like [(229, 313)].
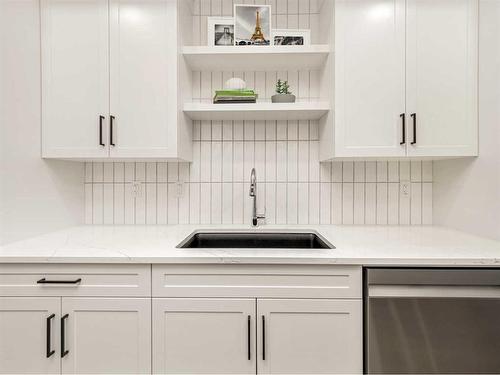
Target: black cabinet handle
[(403, 124), (414, 117), (101, 142), (45, 281), (249, 354), (111, 130), (64, 352), (263, 338), (49, 331)]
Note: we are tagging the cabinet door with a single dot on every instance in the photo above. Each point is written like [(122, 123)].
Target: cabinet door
[(143, 47), (28, 336), (204, 336), (75, 79), (442, 68), (309, 336), (107, 335), (369, 78)]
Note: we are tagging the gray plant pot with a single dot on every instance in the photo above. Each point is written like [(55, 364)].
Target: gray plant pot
[(283, 98)]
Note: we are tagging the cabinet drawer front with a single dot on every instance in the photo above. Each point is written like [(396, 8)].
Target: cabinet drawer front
[(75, 280), (257, 281)]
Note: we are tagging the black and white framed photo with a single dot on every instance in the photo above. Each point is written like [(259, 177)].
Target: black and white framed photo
[(220, 31), (252, 25), (288, 37)]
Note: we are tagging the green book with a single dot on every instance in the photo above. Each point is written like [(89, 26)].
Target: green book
[(235, 99), (235, 93)]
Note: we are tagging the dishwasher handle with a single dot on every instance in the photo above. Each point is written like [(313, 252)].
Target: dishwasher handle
[(433, 291), (433, 276)]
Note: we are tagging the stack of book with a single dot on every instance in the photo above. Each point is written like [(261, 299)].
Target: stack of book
[(235, 96)]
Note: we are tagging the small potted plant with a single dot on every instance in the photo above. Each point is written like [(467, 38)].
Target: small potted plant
[(283, 94)]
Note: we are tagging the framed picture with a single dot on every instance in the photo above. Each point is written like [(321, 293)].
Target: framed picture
[(220, 31), (288, 37), (252, 25)]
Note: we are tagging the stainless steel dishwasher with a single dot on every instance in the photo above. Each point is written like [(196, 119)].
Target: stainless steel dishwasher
[(432, 321)]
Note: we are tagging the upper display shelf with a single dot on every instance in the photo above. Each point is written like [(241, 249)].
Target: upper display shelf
[(256, 58)]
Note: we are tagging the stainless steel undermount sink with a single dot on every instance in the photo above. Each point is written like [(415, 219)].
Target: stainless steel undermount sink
[(255, 240)]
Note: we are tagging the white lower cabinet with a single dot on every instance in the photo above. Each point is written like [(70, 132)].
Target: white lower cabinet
[(51, 335), (28, 331), (91, 319), (257, 319), (180, 319), (204, 336), (308, 336), (106, 335), (264, 336)]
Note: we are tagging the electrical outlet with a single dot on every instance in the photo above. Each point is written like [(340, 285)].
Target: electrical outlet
[(405, 189), (136, 189), (180, 189)]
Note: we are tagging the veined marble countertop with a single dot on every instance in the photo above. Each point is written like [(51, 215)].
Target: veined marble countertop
[(356, 245)]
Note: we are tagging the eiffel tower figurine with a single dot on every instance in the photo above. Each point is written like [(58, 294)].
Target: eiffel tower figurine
[(258, 36)]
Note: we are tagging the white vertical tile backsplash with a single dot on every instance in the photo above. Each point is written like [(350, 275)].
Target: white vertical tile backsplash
[(293, 187), (359, 203), (336, 201), (348, 201), (370, 203)]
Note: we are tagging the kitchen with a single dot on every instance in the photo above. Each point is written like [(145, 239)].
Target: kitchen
[(148, 228)]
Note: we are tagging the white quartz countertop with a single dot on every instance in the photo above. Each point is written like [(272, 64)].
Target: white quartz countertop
[(357, 245)]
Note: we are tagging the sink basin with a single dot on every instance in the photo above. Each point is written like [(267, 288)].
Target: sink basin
[(255, 240)]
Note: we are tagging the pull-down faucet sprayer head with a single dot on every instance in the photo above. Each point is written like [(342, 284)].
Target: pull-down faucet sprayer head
[(253, 183), (253, 195)]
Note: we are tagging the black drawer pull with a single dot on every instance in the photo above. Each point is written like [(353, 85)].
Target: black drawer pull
[(249, 354), (50, 352), (45, 281), (414, 117), (64, 351), (101, 142), (111, 130), (403, 124), (263, 338)]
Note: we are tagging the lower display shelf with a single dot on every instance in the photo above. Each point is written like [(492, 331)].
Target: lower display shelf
[(257, 111)]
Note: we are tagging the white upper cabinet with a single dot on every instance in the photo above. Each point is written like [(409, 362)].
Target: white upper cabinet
[(75, 79), (370, 77), (141, 50), (406, 78), (442, 66), (110, 80)]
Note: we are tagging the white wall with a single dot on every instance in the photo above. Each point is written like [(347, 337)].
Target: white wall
[(467, 192), (36, 196)]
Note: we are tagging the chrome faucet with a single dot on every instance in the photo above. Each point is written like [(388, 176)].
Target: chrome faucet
[(253, 194)]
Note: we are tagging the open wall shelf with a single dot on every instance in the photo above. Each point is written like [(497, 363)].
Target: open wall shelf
[(309, 69), (260, 58), (258, 111)]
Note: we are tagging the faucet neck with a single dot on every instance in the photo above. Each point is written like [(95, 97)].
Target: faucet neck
[(253, 183)]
